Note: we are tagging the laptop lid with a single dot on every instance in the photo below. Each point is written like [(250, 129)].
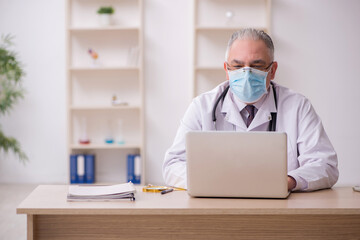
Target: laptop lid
[(237, 164)]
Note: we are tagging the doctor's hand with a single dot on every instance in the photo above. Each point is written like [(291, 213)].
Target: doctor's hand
[(291, 183)]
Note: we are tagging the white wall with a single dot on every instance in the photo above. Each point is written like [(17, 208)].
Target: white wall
[(38, 121), (167, 72), (317, 47)]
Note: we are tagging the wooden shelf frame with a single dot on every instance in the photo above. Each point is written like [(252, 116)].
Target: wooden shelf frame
[(105, 108), (71, 71), (105, 146), (110, 28), (226, 28), (203, 29), (107, 68)]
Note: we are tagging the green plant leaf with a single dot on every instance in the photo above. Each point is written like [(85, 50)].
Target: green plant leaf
[(10, 143), (11, 75), (106, 10)]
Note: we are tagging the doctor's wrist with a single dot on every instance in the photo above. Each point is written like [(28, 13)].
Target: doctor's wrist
[(291, 183)]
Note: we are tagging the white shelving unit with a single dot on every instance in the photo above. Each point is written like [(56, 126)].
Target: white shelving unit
[(91, 84), (214, 22)]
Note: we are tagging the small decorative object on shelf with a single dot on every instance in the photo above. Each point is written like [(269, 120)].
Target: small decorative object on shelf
[(229, 17), (105, 14), (84, 139), (118, 102), (109, 139), (94, 55)]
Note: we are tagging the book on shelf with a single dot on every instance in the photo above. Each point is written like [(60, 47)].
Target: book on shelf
[(82, 168), (134, 168), (101, 193)]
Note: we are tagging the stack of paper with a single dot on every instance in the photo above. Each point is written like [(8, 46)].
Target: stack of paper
[(101, 193)]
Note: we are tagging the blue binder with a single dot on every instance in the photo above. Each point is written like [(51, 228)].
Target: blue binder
[(134, 168), (130, 168), (89, 168), (73, 169)]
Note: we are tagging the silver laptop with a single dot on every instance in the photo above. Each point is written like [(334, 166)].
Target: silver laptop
[(237, 164)]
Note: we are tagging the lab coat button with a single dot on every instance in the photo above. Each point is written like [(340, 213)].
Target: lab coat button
[(269, 117)]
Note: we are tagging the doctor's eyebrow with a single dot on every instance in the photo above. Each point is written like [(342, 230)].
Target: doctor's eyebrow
[(258, 61)]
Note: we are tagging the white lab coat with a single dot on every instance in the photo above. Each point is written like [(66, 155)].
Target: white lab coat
[(312, 160)]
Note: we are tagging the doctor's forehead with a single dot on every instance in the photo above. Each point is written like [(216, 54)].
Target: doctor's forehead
[(248, 50)]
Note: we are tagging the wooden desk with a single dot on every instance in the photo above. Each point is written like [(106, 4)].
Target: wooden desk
[(326, 214)]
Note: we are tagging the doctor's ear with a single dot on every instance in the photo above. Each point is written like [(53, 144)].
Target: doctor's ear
[(226, 71), (273, 70)]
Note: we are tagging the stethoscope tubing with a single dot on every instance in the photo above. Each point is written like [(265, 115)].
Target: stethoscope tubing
[(272, 125)]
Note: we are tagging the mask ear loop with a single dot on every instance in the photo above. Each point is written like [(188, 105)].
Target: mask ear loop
[(270, 68)]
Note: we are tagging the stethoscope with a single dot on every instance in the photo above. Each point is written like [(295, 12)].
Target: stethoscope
[(272, 125)]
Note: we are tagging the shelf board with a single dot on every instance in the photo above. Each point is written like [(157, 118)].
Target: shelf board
[(112, 108), (209, 68), (94, 69), (226, 28), (104, 146), (110, 28)]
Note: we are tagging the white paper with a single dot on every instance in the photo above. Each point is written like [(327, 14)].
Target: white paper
[(101, 190)]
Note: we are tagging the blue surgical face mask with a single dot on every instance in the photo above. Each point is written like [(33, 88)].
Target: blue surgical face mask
[(248, 84)]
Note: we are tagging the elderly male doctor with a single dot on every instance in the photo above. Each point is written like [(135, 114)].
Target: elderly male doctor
[(247, 106)]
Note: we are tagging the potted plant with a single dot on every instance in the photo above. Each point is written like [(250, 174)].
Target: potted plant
[(105, 14), (11, 75)]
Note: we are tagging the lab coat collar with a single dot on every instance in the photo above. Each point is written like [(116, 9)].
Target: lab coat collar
[(265, 106), (232, 112)]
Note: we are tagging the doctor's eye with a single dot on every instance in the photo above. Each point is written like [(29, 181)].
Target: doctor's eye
[(258, 67), (236, 67)]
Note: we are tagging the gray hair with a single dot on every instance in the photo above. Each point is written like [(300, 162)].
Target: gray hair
[(253, 34)]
